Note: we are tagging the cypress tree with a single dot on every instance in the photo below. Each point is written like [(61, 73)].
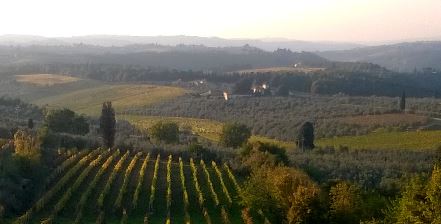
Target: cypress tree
[(305, 137), (108, 124), (403, 102)]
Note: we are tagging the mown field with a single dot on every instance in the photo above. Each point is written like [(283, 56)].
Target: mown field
[(122, 187), (45, 79), (392, 119), (89, 101)]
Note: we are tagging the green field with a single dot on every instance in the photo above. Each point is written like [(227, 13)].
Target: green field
[(89, 101), (98, 186), (412, 140)]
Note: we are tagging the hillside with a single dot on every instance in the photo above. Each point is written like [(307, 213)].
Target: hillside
[(403, 57)]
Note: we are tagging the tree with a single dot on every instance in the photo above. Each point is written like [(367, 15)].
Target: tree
[(305, 137), (403, 102), (108, 124), (167, 132), (30, 123), (234, 134), (26, 144), (66, 121)]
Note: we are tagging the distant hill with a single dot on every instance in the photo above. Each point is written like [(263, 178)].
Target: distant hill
[(403, 57), (119, 41), (181, 57)]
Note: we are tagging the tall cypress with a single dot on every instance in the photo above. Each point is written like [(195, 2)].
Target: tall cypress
[(403, 102), (108, 124), (305, 136)]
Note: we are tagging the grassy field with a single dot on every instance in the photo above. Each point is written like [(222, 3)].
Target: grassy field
[(208, 129), (115, 177), (412, 140), (386, 119), (89, 101), (45, 79)]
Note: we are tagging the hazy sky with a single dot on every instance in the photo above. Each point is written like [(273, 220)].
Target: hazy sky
[(337, 20)]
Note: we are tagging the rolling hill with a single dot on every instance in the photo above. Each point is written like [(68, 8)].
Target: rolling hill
[(402, 57)]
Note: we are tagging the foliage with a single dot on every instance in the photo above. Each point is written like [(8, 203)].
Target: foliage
[(420, 200), (66, 121), (258, 153), (107, 124), (234, 135), (167, 132), (345, 203), (285, 193), (27, 144)]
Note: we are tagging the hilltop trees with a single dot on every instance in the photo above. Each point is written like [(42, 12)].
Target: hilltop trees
[(234, 135), (108, 124), (305, 137)]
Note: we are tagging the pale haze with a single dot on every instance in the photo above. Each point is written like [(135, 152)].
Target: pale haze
[(331, 20)]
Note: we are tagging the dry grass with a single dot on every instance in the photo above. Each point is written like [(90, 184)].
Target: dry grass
[(386, 120), (45, 79)]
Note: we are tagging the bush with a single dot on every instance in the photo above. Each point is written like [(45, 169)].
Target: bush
[(273, 154), (234, 135), (167, 132)]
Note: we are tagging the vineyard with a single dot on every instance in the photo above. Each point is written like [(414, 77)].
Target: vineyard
[(102, 186)]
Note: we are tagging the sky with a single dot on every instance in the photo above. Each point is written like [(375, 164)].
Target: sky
[(314, 20)]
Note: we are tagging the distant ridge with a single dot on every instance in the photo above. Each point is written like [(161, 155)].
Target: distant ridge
[(114, 40)]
